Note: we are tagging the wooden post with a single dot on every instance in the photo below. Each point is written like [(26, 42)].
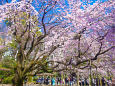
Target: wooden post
[(77, 78), (50, 80), (100, 82), (55, 79), (84, 82), (62, 79)]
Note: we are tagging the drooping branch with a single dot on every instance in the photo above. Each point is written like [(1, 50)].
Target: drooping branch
[(96, 56), (49, 52), (107, 50)]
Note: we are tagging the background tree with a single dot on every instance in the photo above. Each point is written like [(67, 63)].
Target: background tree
[(89, 28)]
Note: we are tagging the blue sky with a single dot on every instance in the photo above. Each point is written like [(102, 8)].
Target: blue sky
[(66, 2), (84, 1), (4, 1)]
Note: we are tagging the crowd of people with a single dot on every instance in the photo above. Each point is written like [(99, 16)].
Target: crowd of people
[(56, 81), (70, 81)]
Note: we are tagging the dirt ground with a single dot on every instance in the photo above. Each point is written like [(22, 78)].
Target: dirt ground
[(29, 85), (25, 85)]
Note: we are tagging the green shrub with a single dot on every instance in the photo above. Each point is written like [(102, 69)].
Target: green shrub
[(7, 80)]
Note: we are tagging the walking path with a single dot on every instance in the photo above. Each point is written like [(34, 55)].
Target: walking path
[(30, 85)]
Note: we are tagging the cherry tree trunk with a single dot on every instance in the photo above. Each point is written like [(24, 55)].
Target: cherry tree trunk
[(17, 81)]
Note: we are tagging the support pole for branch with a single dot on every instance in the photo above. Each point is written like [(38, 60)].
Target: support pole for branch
[(90, 78)]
